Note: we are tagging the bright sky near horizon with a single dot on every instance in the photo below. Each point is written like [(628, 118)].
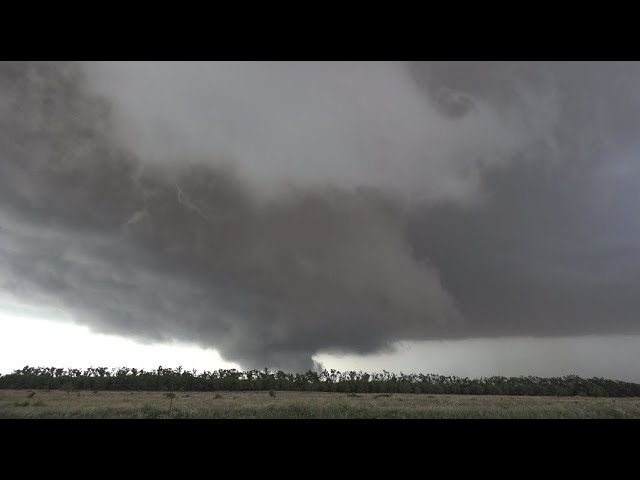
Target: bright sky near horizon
[(29, 340)]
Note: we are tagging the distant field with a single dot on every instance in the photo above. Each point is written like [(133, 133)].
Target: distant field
[(303, 405)]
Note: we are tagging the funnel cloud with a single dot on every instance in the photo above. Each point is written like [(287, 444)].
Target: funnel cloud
[(277, 210)]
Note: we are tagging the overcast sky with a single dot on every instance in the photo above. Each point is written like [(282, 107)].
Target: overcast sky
[(468, 218)]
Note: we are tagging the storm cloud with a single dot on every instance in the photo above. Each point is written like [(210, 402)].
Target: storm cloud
[(276, 210)]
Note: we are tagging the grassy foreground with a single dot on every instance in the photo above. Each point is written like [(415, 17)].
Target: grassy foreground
[(303, 405)]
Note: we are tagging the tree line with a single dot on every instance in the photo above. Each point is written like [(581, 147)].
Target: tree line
[(177, 379)]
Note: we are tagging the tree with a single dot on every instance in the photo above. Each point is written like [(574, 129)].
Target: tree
[(170, 396)]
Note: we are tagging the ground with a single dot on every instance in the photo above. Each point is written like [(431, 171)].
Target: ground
[(87, 404)]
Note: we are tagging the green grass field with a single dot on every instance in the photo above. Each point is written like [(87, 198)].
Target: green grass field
[(303, 405)]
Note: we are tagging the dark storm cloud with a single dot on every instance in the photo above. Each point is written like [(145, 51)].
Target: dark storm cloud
[(555, 248), (261, 210)]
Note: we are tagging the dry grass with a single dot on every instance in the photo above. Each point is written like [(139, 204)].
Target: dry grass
[(86, 404)]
